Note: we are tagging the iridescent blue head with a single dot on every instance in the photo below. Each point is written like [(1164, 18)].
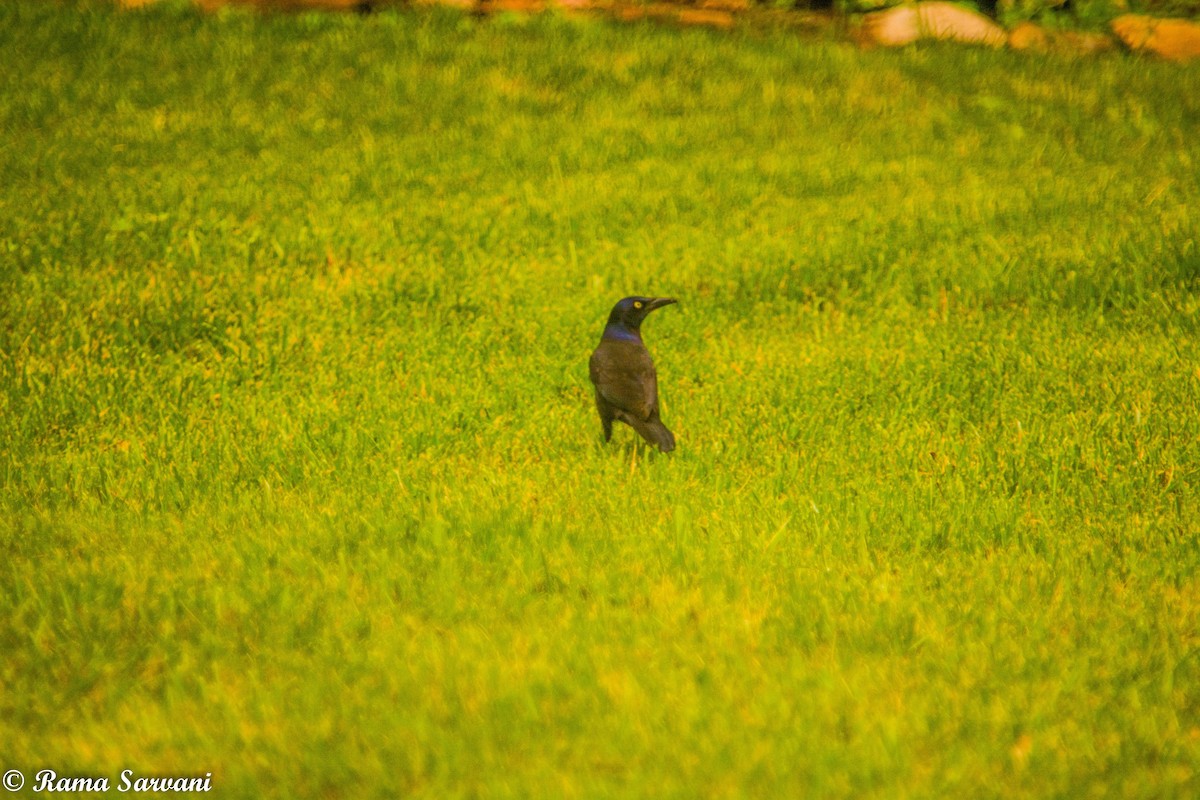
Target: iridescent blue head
[(625, 321)]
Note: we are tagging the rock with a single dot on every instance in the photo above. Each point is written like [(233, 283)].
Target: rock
[(906, 24), (292, 5), (1028, 36), (511, 6), (948, 21), (895, 27), (702, 16), (1174, 39)]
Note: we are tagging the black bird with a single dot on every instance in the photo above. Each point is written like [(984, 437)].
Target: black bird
[(624, 376)]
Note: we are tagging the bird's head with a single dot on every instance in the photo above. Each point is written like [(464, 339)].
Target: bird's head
[(627, 315)]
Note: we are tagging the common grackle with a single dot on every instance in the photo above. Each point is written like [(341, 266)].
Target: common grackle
[(624, 376)]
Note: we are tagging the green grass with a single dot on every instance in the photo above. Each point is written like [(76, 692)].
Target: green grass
[(301, 483)]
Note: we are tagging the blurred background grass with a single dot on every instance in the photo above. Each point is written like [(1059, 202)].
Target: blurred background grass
[(300, 481)]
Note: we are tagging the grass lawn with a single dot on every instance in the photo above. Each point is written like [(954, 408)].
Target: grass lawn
[(301, 483)]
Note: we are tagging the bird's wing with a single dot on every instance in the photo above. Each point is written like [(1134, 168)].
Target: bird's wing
[(624, 376)]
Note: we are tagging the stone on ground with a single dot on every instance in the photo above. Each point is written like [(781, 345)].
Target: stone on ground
[(906, 24), (1028, 36), (1174, 39)]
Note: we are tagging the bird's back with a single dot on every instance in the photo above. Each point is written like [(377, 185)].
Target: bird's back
[(624, 376)]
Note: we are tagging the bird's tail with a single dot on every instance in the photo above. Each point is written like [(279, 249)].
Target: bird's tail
[(655, 432)]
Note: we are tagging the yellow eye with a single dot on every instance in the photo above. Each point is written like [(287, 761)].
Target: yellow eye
[(637, 303)]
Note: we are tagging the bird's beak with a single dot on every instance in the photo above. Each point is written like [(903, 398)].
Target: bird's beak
[(659, 302)]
